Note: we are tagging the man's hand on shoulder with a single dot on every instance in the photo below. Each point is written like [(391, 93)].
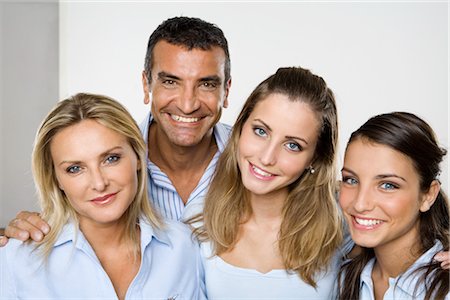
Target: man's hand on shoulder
[(26, 225)]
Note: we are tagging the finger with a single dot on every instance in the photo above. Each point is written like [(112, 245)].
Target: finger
[(23, 230), (445, 265), (3, 241), (443, 256), (36, 220)]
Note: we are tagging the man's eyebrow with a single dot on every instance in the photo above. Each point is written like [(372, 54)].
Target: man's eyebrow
[(213, 78), (165, 75)]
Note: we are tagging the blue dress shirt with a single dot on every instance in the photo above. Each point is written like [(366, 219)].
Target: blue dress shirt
[(170, 268), (161, 191), (403, 286)]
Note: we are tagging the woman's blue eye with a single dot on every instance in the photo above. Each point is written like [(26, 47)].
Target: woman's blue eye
[(73, 169), (388, 186), (112, 158), (259, 131), (349, 180), (294, 147)]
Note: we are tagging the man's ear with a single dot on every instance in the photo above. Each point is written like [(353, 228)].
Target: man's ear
[(146, 87), (430, 196), (227, 91)]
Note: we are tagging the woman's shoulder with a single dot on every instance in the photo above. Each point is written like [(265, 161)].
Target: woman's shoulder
[(17, 248), (17, 256)]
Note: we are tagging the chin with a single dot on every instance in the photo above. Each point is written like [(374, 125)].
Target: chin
[(364, 242)]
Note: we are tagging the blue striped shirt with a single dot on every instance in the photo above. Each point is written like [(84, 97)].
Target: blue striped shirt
[(163, 194)]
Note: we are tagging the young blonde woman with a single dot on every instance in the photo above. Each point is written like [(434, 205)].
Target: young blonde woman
[(106, 242), (396, 211), (271, 226)]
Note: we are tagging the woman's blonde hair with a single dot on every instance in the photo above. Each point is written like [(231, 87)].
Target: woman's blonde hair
[(56, 209), (311, 228)]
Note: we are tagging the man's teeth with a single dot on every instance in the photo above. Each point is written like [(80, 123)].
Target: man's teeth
[(261, 172), (184, 119), (366, 222)]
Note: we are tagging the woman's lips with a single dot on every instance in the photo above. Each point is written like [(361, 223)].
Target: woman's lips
[(104, 199)]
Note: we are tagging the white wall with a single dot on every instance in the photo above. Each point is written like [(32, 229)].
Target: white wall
[(28, 89), (377, 57)]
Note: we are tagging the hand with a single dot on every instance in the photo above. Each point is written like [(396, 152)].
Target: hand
[(26, 225), (444, 258)]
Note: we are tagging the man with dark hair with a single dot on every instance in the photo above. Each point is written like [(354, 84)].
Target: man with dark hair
[(186, 80), (187, 77)]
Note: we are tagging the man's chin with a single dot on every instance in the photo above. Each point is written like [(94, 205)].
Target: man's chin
[(186, 142)]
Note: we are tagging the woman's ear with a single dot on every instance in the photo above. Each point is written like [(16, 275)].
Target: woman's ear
[(138, 167), (59, 184), (430, 196)]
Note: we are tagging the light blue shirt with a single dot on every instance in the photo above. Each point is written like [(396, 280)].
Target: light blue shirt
[(161, 190), (403, 286), (170, 268), (225, 281)]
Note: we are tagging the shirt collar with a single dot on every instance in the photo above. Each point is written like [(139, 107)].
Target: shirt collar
[(70, 233), (148, 232), (406, 281), (366, 274)]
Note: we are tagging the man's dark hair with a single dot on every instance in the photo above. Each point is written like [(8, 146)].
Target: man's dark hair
[(191, 33)]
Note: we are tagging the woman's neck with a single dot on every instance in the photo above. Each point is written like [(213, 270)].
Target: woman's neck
[(267, 209), (397, 256), (115, 252), (104, 236), (256, 246)]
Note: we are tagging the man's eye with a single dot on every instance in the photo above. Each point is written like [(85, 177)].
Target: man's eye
[(208, 85), (168, 82)]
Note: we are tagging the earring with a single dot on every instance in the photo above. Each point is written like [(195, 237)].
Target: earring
[(311, 169)]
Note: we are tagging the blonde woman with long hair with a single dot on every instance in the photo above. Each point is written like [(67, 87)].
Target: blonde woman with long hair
[(106, 242), (271, 226)]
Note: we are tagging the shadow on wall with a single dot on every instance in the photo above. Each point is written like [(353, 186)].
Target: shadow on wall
[(29, 87)]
